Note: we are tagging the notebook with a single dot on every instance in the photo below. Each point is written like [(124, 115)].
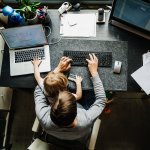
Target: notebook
[(25, 43)]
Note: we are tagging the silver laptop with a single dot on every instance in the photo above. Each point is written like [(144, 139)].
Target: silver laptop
[(26, 43)]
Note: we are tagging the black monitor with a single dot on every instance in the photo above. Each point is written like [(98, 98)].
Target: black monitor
[(133, 15)]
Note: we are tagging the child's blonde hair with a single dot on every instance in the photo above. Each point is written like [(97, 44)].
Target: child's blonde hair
[(55, 82)]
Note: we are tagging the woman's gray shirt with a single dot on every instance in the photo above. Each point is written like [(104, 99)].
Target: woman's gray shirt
[(85, 118)]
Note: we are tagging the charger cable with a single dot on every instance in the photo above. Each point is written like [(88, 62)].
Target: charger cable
[(56, 41), (49, 32)]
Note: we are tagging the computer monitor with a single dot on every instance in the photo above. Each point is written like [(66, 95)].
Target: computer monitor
[(133, 15)]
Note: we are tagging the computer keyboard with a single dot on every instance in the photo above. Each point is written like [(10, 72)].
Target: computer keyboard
[(79, 58), (29, 54)]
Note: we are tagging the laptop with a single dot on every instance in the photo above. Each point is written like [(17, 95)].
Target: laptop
[(26, 43)]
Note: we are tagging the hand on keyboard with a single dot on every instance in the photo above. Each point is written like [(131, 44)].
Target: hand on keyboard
[(79, 58), (92, 64), (64, 65), (78, 79), (36, 62)]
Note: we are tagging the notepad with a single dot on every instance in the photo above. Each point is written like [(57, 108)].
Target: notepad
[(142, 77), (78, 25)]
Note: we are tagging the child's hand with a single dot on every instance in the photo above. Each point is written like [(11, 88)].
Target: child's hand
[(78, 79), (36, 62)]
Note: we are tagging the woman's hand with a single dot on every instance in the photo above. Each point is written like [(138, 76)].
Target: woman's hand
[(64, 65), (92, 64)]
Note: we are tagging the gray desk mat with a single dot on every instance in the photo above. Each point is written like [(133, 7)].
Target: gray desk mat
[(111, 81)]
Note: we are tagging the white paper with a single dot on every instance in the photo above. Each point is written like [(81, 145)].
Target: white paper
[(78, 25), (142, 77), (146, 58)]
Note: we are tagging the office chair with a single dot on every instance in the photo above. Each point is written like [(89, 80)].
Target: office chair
[(38, 144)]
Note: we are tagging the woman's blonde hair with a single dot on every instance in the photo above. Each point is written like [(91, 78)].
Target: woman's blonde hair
[(55, 82)]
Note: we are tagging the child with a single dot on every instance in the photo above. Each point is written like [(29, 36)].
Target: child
[(53, 83)]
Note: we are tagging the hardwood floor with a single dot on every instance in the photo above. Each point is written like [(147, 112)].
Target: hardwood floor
[(126, 127), (125, 122), (23, 118)]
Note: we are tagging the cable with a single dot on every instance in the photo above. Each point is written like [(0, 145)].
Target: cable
[(56, 41), (49, 29)]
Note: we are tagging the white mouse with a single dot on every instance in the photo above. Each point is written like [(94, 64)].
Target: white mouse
[(117, 66)]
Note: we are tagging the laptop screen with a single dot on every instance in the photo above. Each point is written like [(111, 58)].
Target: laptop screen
[(25, 36)]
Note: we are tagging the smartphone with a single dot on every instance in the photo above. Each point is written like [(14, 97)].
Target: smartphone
[(72, 77), (100, 14)]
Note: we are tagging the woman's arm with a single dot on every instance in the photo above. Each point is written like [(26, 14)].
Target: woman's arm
[(97, 107), (42, 108)]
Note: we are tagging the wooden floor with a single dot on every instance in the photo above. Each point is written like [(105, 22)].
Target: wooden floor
[(125, 122), (23, 118)]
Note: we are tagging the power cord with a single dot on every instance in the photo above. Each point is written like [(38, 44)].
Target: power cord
[(56, 41), (49, 32)]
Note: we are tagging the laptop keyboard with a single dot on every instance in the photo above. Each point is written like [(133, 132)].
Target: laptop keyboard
[(29, 54), (79, 58)]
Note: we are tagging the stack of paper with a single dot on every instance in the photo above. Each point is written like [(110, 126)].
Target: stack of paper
[(142, 75), (78, 25)]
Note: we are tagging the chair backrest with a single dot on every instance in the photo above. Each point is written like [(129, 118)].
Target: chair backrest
[(38, 144), (66, 144), (94, 134)]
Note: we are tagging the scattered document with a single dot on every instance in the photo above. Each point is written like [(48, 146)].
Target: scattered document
[(142, 77), (146, 58), (78, 25)]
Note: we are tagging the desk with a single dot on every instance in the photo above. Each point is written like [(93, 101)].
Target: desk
[(106, 32)]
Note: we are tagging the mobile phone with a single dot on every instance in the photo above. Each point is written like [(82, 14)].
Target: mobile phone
[(72, 77), (100, 14)]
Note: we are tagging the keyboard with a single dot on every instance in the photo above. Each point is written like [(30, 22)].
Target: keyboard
[(79, 58), (29, 54)]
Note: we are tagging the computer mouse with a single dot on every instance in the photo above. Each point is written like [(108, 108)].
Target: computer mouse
[(117, 66)]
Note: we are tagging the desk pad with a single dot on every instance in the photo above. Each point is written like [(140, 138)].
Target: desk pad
[(111, 81)]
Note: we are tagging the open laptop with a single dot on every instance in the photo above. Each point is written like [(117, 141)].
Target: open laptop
[(26, 43)]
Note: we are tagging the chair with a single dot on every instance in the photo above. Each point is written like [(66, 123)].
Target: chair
[(38, 144), (5, 110)]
